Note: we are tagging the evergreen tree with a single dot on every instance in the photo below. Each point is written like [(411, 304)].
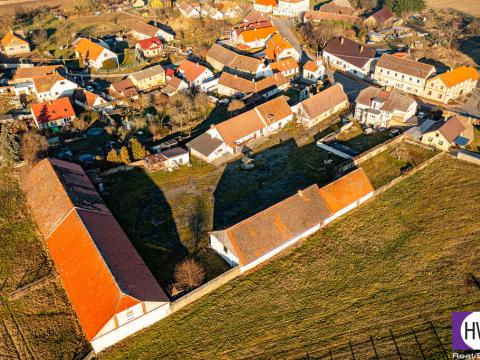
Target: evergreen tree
[(138, 151), (401, 6), (113, 157), (9, 146), (124, 156)]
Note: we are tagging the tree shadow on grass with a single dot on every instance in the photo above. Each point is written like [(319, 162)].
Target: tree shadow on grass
[(280, 171), (147, 219)]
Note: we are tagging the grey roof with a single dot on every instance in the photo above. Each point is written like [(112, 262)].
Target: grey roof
[(231, 59), (350, 51), (146, 73), (173, 152), (205, 144)]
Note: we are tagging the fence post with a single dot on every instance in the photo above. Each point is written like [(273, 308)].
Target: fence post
[(396, 346), (418, 343), (374, 348), (439, 341), (351, 349)]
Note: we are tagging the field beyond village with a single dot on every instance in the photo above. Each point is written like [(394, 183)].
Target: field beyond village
[(396, 263), (468, 7), (36, 319)]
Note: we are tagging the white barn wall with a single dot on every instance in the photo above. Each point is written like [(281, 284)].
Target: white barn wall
[(229, 257), (110, 338)]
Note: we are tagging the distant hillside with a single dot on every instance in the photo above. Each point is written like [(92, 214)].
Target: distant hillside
[(405, 258), (468, 7)]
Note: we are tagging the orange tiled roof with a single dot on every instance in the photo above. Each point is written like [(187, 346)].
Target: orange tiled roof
[(275, 45), (284, 65), (46, 82), (101, 271), (257, 34), (459, 75), (88, 49), (310, 66), (271, 228), (346, 190), (53, 110), (190, 70), (7, 39), (34, 71), (266, 2)]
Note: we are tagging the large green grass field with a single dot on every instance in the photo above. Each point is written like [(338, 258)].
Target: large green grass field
[(401, 260), (36, 322)]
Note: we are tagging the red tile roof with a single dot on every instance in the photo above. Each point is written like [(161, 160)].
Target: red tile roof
[(53, 110), (150, 43), (100, 269)]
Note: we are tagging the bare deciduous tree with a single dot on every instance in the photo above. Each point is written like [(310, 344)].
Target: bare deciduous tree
[(189, 274), (197, 221), (32, 145), (235, 106)]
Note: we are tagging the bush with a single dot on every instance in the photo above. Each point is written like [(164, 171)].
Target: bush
[(189, 274)]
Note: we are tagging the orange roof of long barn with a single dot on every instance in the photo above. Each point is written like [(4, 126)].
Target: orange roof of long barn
[(257, 34), (272, 227), (459, 75), (100, 269), (346, 190)]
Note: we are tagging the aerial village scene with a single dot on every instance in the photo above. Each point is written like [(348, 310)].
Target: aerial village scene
[(239, 179)]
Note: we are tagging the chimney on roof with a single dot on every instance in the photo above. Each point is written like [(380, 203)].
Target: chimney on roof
[(361, 48), (300, 193), (341, 40)]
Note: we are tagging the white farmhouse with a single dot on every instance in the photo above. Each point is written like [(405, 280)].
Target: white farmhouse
[(262, 236), (52, 86), (94, 54), (348, 56), (230, 136), (376, 107), (404, 74), (194, 73), (291, 8)]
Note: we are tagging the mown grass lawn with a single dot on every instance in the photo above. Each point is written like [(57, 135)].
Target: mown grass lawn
[(399, 260), (39, 321), (389, 164)]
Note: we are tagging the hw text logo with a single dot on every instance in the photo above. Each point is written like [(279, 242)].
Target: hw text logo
[(466, 331)]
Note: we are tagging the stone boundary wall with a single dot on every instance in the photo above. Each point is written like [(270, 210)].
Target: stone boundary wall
[(205, 289)]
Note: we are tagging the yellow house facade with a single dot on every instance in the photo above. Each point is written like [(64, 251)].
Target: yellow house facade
[(148, 79), (13, 44), (451, 85)]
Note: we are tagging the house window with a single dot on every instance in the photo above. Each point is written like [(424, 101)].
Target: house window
[(130, 315), (439, 96), (430, 139), (429, 93), (440, 142), (225, 250)]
